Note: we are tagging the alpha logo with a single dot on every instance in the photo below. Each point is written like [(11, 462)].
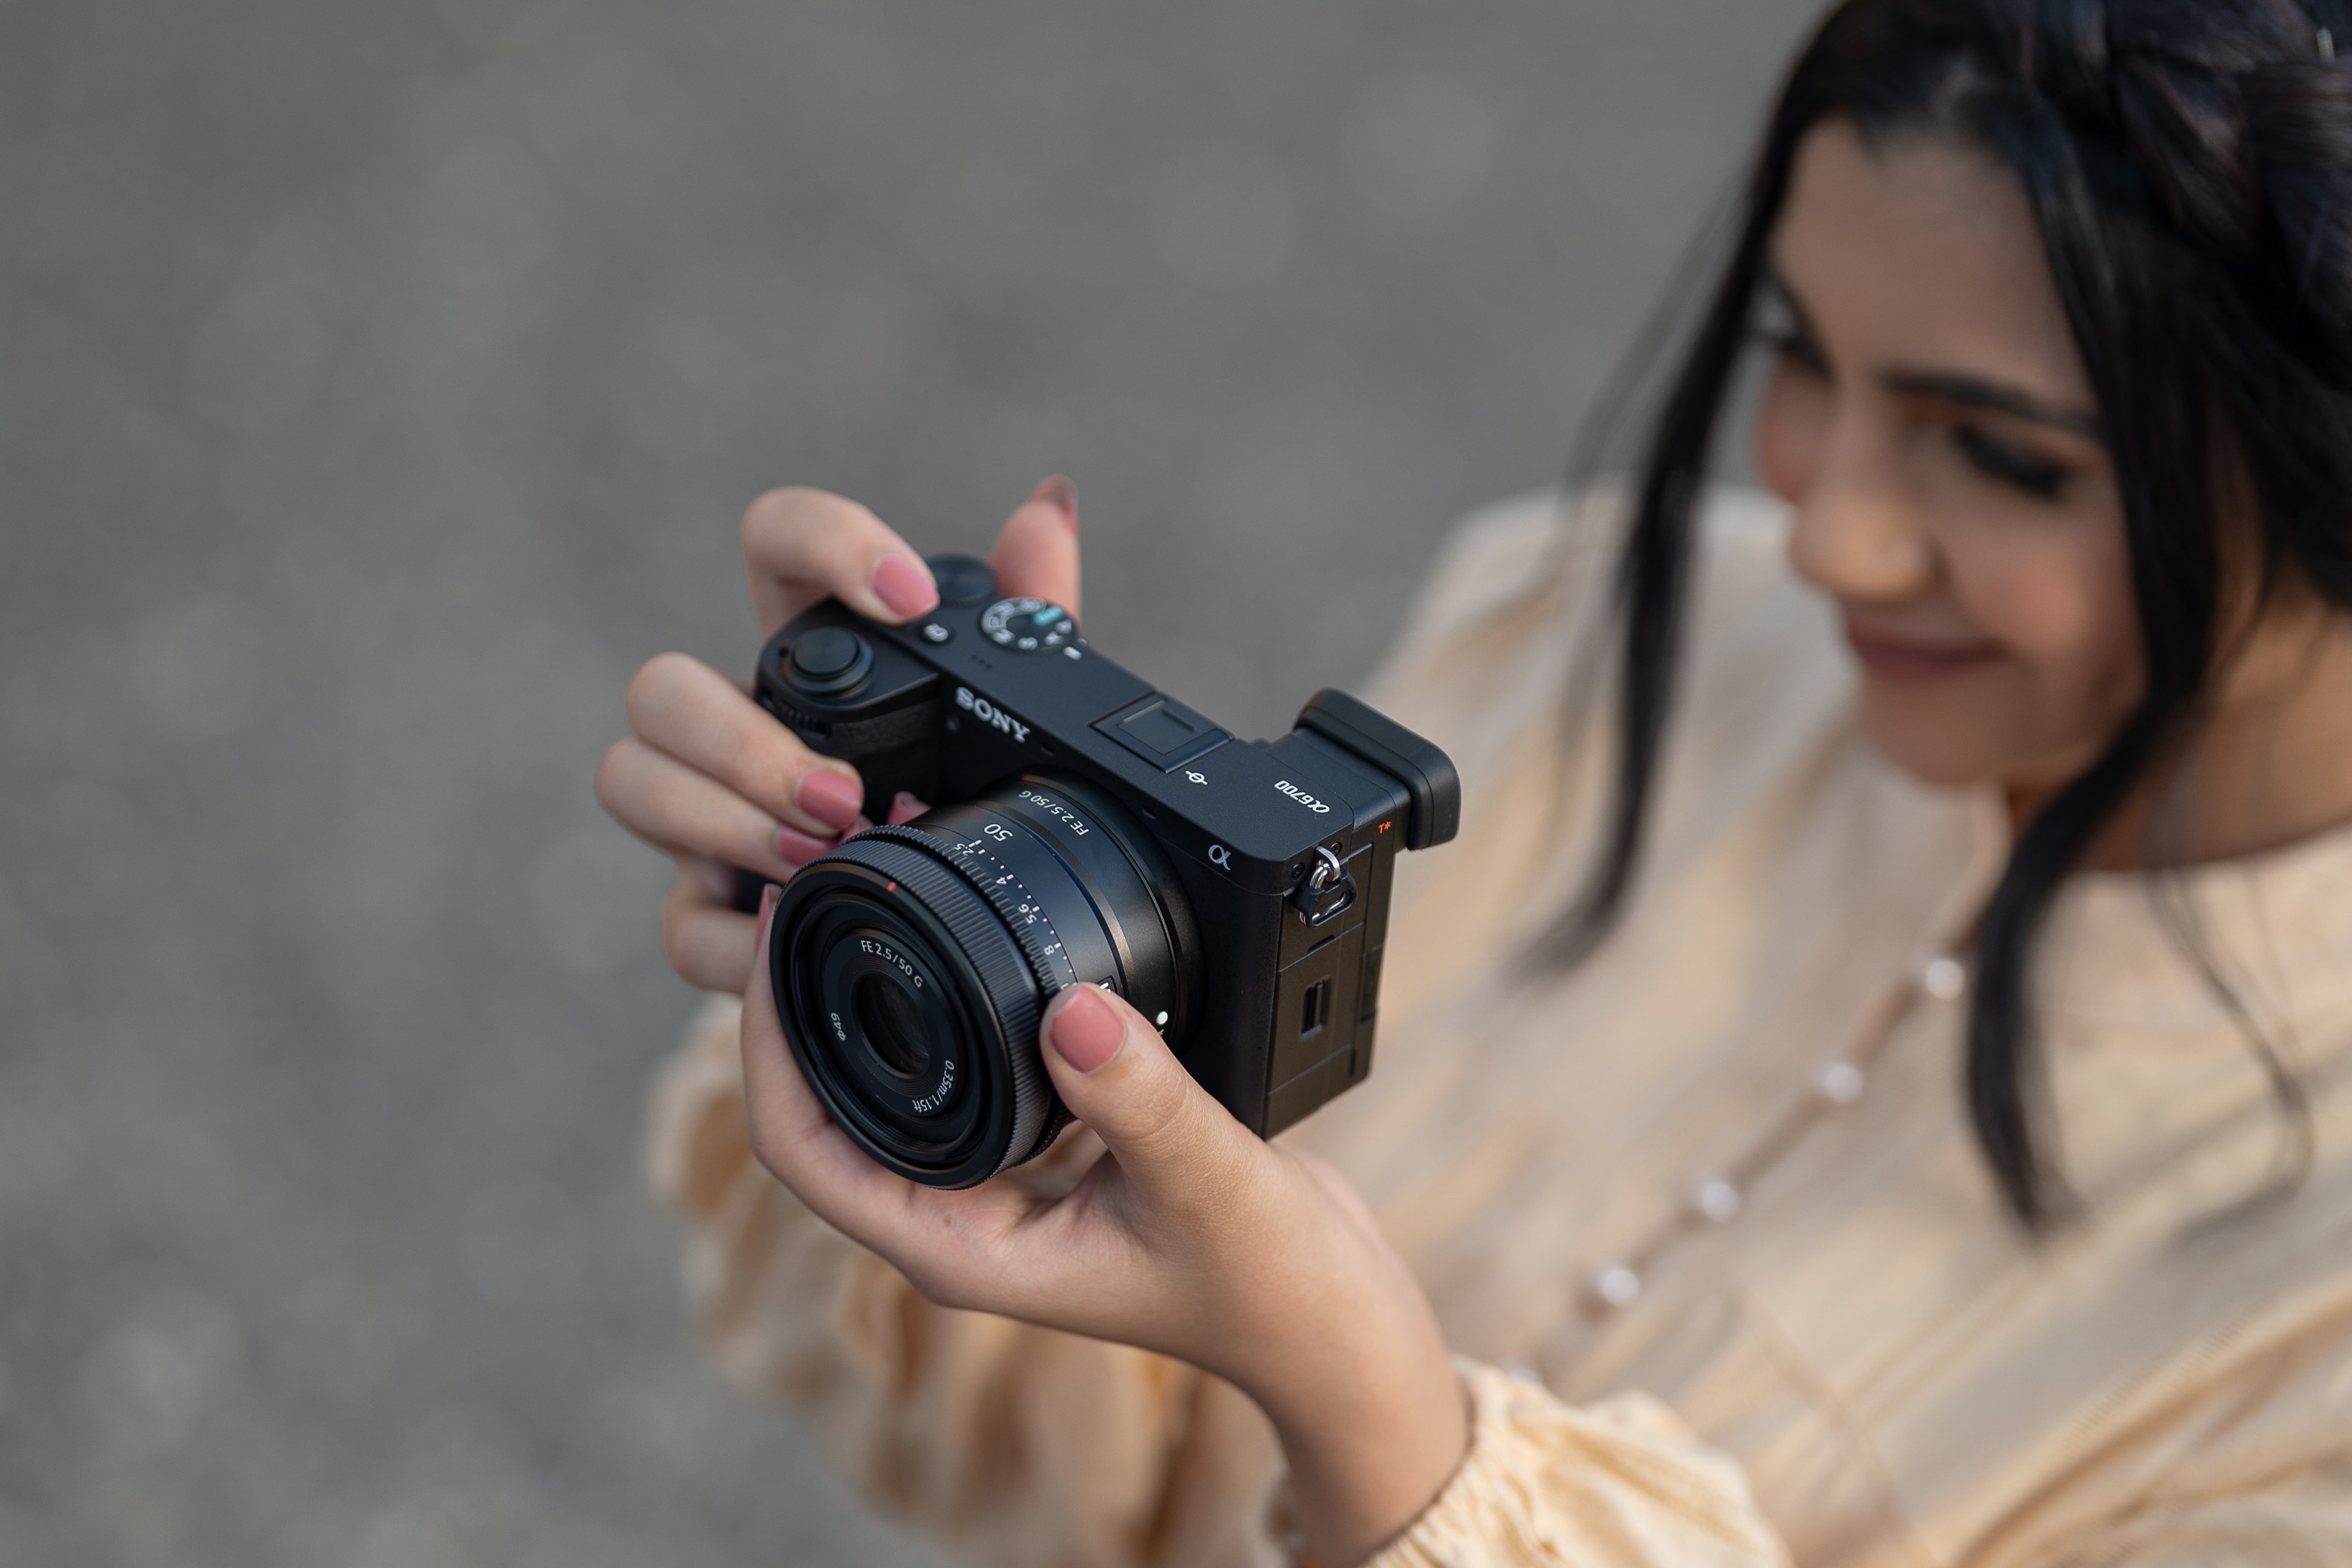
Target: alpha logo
[(988, 712), (1300, 795)]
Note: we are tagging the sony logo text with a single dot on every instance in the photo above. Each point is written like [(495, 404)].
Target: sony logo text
[(988, 712), (1300, 795)]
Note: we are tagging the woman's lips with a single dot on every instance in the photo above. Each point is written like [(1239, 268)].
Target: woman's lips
[(1909, 658)]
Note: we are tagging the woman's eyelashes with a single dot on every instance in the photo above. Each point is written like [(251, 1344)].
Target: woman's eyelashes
[(1776, 320), (1781, 326), (1796, 347), (2009, 463)]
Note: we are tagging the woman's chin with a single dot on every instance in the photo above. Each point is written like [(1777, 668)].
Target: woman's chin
[(1962, 739), (1942, 754)]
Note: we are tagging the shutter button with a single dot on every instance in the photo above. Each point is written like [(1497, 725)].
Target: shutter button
[(961, 580), (829, 660)]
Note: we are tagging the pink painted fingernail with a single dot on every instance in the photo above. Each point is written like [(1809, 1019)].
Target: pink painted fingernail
[(794, 847), (1086, 1033), (830, 797), (904, 587), (1062, 495)]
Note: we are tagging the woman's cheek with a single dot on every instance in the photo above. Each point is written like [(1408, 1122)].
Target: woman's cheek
[(1788, 431), (2067, 615)]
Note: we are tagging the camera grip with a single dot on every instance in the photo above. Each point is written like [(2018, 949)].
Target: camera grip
[(893, 752)]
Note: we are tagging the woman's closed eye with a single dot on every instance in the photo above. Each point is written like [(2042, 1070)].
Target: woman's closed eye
[(1792, 346), (1780, 325), (2009, 463)]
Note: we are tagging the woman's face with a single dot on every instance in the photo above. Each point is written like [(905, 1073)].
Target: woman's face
[(1929, 421)]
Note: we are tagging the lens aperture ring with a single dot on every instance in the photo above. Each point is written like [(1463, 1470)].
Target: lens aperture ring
[(1040, 943), (1022, 911)]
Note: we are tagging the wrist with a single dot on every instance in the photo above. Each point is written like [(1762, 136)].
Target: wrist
[(1373, 1422)]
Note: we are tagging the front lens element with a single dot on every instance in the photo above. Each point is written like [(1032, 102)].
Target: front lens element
[(894, 1029)]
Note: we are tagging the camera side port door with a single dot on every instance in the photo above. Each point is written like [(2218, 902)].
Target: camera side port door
[(1317, 1030)]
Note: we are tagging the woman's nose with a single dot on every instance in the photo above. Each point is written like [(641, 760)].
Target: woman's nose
[(1858, 533)]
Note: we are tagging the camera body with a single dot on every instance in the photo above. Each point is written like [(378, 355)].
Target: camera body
[(1236, 892)]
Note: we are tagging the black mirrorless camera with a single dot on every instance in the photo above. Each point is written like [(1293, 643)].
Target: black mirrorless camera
[(1100, 834)]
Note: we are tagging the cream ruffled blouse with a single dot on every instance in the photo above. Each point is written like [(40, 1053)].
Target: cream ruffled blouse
[(1867, 1364)]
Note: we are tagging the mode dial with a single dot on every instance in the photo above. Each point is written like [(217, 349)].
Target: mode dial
[(1030, 625)]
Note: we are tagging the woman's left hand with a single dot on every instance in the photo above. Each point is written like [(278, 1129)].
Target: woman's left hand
[(1166, 1224)]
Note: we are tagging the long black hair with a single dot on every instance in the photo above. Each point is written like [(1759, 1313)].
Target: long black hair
[(2188, 164)]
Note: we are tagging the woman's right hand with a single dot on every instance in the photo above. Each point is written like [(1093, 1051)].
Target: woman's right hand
[(712, 779)]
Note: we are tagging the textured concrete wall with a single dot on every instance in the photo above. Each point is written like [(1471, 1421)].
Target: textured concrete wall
[(381, 380)]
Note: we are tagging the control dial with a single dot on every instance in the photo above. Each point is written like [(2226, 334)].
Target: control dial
[(828, 660), (1030, 626)]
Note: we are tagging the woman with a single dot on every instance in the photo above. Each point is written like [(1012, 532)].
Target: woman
[(1922, 1138)]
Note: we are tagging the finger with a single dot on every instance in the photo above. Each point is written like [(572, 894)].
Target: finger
[(802, 545), (1118, 1076), (905, 807), (706, 941), (1037, 553), (701, 717), (678, 809)]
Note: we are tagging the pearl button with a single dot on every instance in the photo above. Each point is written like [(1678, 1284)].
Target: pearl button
[(1840, 1083), (1615, 1285), (1943, 978), (1715, 1200)]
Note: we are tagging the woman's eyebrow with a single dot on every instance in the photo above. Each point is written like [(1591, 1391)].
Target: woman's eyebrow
[(1968, 392)]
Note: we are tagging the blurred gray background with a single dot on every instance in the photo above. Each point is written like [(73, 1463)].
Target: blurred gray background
[(381, 383)]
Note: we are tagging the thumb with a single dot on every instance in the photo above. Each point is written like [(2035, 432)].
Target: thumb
[(1037, 553), (1119, 1077)]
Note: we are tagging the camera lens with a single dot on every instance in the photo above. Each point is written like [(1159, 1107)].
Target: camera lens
[(912, 963), (893, 1029)]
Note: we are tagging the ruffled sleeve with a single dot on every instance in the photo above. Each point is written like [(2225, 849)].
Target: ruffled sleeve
[(1621, 1484)]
